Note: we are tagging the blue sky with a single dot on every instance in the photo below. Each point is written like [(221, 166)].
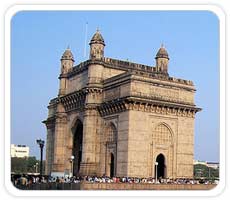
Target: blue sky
[(38, 40)]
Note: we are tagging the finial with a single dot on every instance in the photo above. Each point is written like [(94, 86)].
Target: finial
[(68, 48), (98, 30), (162, 45)]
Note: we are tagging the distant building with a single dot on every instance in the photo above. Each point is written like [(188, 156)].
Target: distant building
[(213, 165), (197, 162), (19, 151)]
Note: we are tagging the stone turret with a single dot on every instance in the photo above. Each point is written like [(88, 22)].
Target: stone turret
[(97, 45), (162, 60), (67, 62)]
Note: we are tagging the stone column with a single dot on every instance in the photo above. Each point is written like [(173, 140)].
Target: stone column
[(89, 164), (50, 125), (49, 149), (59, 141)]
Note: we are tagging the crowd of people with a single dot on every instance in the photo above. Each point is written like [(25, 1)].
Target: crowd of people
[(27, 180)]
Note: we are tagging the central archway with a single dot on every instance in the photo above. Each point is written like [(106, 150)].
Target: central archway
[(160, 166), (77, 147)]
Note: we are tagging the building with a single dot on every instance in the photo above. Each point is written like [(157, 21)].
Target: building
[(19, 151), (214, 165), (120, 118), (198, 162)]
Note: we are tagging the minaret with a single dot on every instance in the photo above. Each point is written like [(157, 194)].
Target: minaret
[(67, 62), (97, 45), (162, 60)]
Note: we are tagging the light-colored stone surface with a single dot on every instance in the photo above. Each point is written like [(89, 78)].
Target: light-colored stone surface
[(77, 82), (147, 112)]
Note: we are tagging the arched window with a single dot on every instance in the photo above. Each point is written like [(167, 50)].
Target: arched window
[(111, 134), (162, 135)]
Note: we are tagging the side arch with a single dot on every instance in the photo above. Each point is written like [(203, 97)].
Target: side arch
[(110, 135), (161, 132), (160, 166), (163, 147), (110, 141), (77, 146), (74, 123)]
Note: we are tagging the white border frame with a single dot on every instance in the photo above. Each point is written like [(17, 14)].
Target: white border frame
[(222, 56)]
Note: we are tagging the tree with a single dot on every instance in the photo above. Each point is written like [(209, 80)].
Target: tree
[(24, 165), (205, 172)]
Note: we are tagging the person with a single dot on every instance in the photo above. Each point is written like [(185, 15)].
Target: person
[(23, 180), (58, 185)]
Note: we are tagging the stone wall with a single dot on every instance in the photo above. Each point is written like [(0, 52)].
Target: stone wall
[(77, 82), (138, 144), (185, 147), (110, 72), (164, 90), (122, 143), (114, 186), (143, 148)]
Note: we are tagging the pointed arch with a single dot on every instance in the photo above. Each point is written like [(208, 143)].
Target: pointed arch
[(110, 141), (75, 122), (77, 131), (160, 166), (163, 135), (111, 133)]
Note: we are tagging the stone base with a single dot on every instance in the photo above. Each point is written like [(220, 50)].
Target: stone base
[(88, 169), (57, 167)]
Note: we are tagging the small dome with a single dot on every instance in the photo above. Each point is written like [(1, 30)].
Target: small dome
[(162, 53), (67, 55), (97, 38)]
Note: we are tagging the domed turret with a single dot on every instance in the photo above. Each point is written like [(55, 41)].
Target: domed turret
[(67, 55), (162, 59), (97, 45), (67, 61), (162, 53), (97, 39)]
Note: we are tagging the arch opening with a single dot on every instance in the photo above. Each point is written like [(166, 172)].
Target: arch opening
[(110, 150), (77, 147), (160, 167), (112, 163)]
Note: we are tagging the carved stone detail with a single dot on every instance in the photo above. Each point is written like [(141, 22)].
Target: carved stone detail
[(76, 100), (112, 107)]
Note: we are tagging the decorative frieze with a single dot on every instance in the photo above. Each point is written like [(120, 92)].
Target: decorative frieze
[(76, 100), (121, 105), (92, 90)]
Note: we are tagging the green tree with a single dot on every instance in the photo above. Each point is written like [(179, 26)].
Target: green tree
[(205, 172), (24, 165)]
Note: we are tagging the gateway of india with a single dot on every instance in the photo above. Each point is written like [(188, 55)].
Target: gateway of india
[(119, 118)]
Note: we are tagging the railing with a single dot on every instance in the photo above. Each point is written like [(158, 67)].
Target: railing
[(126, 65)]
